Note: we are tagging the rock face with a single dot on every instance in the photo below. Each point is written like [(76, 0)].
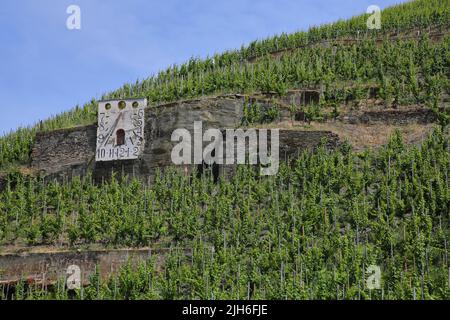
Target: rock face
[(71, 152), (47, 268), (392, 117), (61, 150)]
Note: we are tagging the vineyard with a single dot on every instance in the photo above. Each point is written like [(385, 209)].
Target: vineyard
[(407, 71), (309, 232)]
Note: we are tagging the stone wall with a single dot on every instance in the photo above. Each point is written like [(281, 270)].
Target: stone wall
[(48, 267), (70, 152), (402, 116)]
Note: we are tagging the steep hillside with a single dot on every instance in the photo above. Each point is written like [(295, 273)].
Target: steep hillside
[(382, 198), (343, 59)]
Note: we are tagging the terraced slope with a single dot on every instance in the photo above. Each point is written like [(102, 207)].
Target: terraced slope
[(309, 232), (408, 65)]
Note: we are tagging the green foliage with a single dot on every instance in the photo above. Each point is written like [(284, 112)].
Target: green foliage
[(307, 233), (403, 69), (314, 113), (412, 15), (272, 114), (254, 113), (15, 147)]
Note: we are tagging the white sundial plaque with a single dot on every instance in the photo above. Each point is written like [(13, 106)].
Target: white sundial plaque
[(120, 131)]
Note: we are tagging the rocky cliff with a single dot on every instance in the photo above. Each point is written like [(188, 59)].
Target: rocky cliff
[(70, 152)]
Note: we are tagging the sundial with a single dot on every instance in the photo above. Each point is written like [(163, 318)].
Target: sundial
[(120, 131)]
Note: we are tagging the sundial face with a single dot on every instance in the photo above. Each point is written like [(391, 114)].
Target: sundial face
[(120, 131)]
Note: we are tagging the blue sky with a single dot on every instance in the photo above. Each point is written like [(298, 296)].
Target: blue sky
[(46, 68)]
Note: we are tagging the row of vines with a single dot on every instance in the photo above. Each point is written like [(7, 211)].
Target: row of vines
[(308, 232), (406, 72)]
